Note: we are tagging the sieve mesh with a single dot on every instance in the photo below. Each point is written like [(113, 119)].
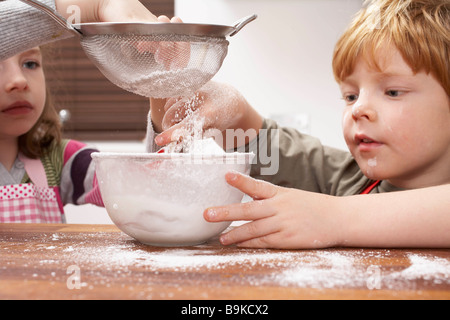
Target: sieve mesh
[(159, 66)]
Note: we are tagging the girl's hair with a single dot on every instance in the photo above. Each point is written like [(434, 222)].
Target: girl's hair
[(47, 130), (419, 29)]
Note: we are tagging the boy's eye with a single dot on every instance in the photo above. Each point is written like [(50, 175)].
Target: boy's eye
[(393, 93), (350, 98)]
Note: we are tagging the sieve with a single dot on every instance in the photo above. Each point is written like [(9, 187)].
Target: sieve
[(159, 60)]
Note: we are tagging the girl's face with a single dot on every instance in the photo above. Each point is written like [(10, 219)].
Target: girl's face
[(22, 93), (397, 123)]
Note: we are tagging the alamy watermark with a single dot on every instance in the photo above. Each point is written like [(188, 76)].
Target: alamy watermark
[(255, 147), (74, 17), (74, 279), (373, 280)]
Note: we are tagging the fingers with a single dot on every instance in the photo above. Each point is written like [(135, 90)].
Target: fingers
[(177, 119), (257, 189), (252, 234), (176, 110), (176, 20), (253, 210), (168, 136), (163, 18), (238, 212), (173, 55), (260, 213)]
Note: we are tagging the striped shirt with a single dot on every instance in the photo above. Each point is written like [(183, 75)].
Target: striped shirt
[(69, 167)]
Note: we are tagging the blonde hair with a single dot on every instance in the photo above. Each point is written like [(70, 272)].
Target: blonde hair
[(47, 130), (419, 29)]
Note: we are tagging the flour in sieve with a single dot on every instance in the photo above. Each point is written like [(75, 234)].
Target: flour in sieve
[(169, 83)]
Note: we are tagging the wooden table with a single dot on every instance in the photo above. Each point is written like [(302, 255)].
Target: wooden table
[(100, 262)]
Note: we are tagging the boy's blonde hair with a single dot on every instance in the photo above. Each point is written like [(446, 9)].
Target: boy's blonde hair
[(419, 29)]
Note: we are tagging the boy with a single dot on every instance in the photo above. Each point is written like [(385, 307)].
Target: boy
[(394, 78)]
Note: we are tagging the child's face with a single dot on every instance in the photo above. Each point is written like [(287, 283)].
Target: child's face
[(397, 123), (22, 93)]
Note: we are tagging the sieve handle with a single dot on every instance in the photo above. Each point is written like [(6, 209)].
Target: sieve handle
[(238, 25), (53, 14)]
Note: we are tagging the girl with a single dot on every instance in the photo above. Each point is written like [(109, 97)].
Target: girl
[(39, 172)]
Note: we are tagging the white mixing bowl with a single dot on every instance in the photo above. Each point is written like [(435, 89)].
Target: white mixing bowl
[(159, 199)]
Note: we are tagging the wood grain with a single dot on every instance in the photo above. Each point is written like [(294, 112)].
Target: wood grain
[(41, 261)]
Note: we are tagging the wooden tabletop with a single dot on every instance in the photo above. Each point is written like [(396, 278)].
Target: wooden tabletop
[(65, 261)]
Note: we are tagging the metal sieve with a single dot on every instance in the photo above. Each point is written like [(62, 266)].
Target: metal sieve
[(157, 60)]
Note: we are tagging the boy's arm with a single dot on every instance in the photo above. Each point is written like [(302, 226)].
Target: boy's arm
[(293, 219), (413, 218)]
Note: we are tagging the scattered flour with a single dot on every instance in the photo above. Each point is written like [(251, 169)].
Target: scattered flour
[(428, 268), (319, 269)]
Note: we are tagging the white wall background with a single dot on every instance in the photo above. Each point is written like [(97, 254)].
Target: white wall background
[(281, 62)]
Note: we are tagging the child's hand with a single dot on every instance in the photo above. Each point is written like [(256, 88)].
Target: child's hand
[(220, 106), (171, 55), (180, 52), (279, 217)]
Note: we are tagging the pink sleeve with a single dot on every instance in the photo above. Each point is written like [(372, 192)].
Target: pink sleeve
[(72, 147), (79, 183), (94, 196)]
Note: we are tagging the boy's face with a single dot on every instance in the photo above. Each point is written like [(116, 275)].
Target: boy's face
[(22, 93), (397, 123)]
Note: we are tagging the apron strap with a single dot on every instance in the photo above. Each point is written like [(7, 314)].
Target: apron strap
[(35, 170), (370, 187)]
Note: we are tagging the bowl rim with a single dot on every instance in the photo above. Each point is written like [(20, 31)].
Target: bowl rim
[(162, 156)]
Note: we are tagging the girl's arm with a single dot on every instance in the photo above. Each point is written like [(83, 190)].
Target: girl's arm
[(292, 219), (78, 183)]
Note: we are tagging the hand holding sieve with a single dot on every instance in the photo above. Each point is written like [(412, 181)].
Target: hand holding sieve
[(116, 49)]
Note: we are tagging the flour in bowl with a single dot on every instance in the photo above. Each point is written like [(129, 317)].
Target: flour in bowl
[(162, 222)]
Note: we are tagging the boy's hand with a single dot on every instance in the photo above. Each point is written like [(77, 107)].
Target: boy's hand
[(220, 106), (279, 217)]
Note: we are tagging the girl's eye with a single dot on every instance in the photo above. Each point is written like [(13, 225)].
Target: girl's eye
[(31, 65)]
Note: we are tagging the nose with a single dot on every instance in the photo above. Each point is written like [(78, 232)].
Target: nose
[(12, 77), (362, 108)]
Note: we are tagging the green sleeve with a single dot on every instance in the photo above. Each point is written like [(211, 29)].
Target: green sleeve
[(288, 158)]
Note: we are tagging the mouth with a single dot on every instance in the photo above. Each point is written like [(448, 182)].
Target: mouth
[(366, 143), (18, 108)]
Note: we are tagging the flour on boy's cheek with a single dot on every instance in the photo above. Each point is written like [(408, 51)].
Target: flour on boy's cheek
[(372, 162)]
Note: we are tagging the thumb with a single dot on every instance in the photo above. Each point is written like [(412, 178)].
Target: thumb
[(169, 135)]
